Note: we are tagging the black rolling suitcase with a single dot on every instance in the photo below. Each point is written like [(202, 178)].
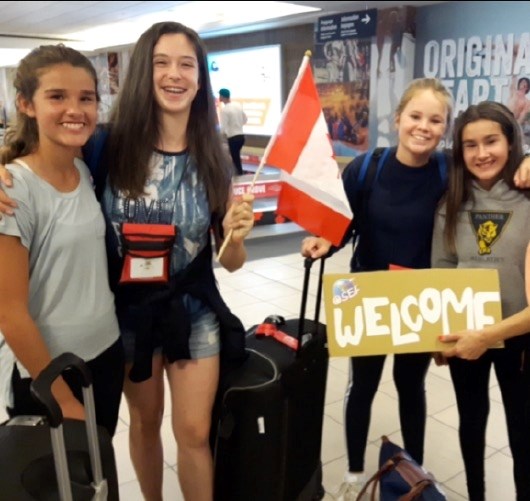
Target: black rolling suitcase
[(48, 459), (270, 412)]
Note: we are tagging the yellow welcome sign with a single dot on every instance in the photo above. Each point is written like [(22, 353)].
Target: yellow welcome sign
[(384, 312)]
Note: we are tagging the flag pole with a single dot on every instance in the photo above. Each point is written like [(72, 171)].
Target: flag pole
[(272, 140)]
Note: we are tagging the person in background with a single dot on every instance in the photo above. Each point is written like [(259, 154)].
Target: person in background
[(53, 268), (483, 223), (232, 119), (518, 102), (166, 166), (3, 116), (408, 188)]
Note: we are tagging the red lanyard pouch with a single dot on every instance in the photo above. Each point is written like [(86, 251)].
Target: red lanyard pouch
[(147, 252)]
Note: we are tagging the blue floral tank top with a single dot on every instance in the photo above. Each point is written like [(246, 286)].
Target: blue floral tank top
[(173, 195)]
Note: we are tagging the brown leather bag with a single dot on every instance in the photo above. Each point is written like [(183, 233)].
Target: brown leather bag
[(400, 478)]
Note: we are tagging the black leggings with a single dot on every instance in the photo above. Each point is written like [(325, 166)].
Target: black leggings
[(471, 384), (235, 144), (409, 377), (107, 382)]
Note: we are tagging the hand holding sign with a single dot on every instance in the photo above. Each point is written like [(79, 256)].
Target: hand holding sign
[(470, 344)]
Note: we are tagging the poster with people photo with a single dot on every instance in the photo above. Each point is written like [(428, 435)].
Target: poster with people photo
[(341, 65), (362, 63), (3, 100), (486, 60), (7, 96), (111, 68), (393, 69), (519, 102)]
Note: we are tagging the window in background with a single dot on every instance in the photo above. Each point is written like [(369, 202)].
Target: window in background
[(253, 76)]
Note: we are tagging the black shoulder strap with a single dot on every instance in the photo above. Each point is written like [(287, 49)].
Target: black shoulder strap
[(92, 154), (370, 169), (442, 165)]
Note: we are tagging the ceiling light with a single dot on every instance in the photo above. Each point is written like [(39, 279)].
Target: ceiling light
[(201, 16)]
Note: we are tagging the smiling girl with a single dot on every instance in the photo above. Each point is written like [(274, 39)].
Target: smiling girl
[(483, 223), (53, 268), (166, 167), (396, 228)]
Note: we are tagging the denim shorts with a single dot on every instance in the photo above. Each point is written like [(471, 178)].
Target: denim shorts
[(204, 339)]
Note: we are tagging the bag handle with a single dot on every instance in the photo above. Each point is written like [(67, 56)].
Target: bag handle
[(391, 464), (374, 481), (308, 262), (416, 490), (41, 391)]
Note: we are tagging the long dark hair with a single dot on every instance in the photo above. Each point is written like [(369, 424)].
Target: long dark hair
[(459, 190), (23, 138), (134, 127)]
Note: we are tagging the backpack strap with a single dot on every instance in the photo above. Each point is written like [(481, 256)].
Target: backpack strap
[(93, 149), (369, 172), (92, 152), (367, 168), (441, 159), (382, 159), (364, 169)]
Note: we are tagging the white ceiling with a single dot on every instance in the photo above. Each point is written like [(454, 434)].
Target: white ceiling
[(25, 24)]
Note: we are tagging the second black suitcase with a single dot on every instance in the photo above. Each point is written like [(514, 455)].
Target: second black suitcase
[(51, 459), (269, 426)]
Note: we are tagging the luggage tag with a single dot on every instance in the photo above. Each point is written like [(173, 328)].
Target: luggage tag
[(147, 252)]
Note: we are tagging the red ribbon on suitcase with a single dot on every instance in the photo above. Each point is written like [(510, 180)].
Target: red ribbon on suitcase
[(269, 329)]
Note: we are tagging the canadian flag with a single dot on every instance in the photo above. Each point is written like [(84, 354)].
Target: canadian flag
[(312, 193)]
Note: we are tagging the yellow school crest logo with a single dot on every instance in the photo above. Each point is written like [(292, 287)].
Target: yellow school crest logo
[(488, 227)]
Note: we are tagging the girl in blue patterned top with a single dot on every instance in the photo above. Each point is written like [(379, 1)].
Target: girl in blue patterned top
[(166, 166)]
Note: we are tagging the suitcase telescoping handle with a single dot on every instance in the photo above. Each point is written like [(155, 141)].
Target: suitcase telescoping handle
[(41, 390), (308, 262)]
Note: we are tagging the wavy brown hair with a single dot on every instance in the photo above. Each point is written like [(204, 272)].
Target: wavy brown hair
[(460, 179), (134, 126), (23, 137)]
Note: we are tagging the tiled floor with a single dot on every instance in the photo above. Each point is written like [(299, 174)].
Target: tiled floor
[(273, 285)]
